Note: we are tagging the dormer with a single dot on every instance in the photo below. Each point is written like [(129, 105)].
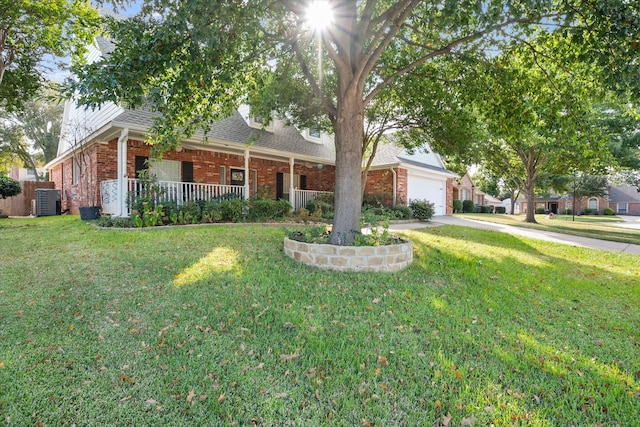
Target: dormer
[(312, 135), (258, 122)]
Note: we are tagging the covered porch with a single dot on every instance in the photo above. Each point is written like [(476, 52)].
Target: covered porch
[(197, 171), (183, 192)]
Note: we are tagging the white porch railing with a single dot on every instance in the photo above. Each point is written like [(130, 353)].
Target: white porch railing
[(302, 197), (163, 191)]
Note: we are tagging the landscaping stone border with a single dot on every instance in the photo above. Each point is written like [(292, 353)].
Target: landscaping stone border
[(387, 258)]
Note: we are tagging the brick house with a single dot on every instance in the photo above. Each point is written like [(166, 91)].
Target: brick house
[(238, 155), (560, 204), (624, 200), (464, 189)]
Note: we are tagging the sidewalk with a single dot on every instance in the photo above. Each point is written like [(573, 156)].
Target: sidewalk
[(548, 236)]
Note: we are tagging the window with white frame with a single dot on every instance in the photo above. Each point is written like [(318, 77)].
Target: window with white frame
[(593, 204), (258, 122), (464, 194), (76, 171), (165, 170), (622, 207), (223, 175), (313, 135)]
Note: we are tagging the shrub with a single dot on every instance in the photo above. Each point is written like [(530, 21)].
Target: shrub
[(320, 204), (315, 234), (402, 212), (422, 209), (457, 206), (265, 209), (568, 211), (192, 212), (587, 211), (477, 209), (231, 210), (539, 210), (377, 200), (467, 206), (9, 187), (608, 211), (500, 210)]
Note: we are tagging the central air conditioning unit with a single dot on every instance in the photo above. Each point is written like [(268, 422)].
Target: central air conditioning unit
[(47, 202)]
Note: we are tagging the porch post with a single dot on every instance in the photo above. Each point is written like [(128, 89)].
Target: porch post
[(292, 194), (246, 174), (122, 173)]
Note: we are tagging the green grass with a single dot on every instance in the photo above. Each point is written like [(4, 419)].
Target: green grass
[(597, 227), (214, 325)]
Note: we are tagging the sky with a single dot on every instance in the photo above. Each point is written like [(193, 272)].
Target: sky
[(58, 74)]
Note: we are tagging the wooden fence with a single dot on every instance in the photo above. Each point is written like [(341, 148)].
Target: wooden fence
[(20, 205)]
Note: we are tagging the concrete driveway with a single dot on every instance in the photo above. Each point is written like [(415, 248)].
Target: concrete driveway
[(629, 221), (528, 232)]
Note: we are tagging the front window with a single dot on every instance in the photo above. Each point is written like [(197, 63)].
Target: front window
[(622, 208), (593, 204), (76, 170)]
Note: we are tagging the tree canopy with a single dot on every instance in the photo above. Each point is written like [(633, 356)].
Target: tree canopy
[(34, 31), (31, 134), (195, 60)]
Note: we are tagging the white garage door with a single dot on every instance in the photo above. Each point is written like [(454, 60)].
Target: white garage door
[(432, 190)]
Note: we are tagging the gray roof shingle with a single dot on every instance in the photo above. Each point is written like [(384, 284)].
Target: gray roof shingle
[(628, 194)]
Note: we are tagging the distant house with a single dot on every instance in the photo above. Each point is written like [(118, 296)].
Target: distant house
[(561, 204), (465, 189), (24, 174), (238, 155), (624, 200)]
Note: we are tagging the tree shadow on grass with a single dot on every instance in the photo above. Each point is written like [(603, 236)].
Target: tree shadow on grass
[(559, 333)]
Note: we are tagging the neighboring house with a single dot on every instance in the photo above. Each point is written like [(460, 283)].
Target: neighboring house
[(464, 189), (238, 155), (24, 174), (560, 204), (624, 200), (506, 203)]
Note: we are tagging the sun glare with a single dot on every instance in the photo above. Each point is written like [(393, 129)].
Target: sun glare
[(319, 14)]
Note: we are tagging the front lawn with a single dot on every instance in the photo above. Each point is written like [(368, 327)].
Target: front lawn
[(596, 227), (214, 325)]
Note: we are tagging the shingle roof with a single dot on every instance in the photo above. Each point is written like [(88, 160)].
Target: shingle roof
[(627, 194), (235, 130), (105, 46)]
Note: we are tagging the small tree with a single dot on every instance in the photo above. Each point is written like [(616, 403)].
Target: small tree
[(9, 187), (589, 186), (84, 163)]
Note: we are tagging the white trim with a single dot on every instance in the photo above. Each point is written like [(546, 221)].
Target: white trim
[(306, 134), (257, 124), (619, 205), (122, 172)]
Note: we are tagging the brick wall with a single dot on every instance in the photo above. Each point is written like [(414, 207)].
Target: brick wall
[(449, 198), (206, 166), (206, 169)]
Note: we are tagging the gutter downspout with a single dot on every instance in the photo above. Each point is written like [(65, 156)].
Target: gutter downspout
[(292, 192), (122, 173), (246, 174), (395, 186)]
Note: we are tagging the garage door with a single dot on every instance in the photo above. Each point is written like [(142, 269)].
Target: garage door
[(432, 190)]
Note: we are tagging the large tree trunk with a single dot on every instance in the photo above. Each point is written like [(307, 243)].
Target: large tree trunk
[(531, 184), (349, 132)]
